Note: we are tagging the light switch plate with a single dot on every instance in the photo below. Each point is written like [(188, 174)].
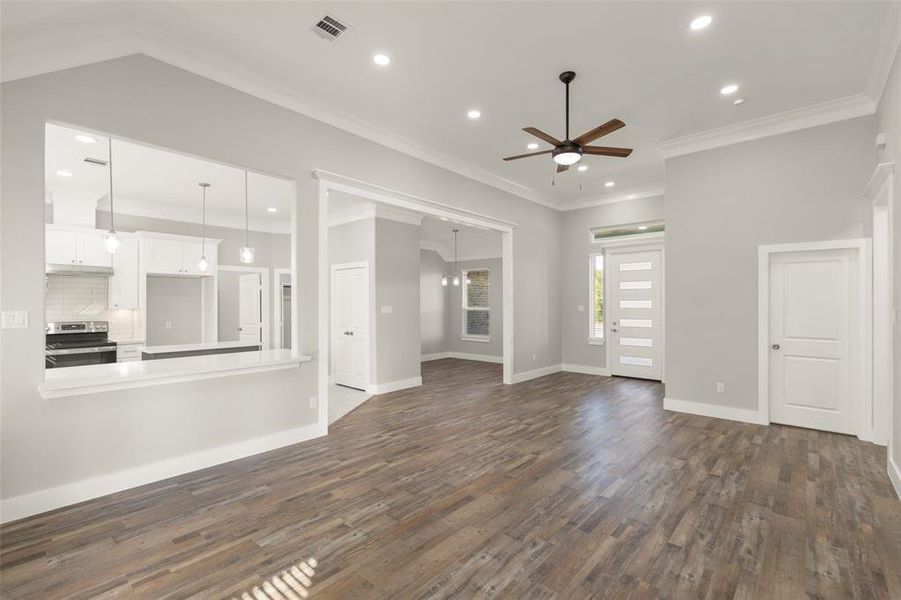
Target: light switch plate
[(581, 308), (15, 319), (387, 310)]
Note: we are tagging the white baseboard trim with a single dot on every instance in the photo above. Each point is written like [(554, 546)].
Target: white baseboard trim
[(586, 369), (41, 501), (394, 386), (713, 410), (894, 474), (535, 373), (463, 356)]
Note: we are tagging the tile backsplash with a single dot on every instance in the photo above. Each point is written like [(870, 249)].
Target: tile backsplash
[(85, 298)]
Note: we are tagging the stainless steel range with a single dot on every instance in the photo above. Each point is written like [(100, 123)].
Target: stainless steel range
[(75, 343)]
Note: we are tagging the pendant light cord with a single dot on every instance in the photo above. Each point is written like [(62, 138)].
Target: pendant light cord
[(246, 236), (112, 226), (203, 223)]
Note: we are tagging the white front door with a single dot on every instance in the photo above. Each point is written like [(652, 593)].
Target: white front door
[(813, 325), (634, 308), (250, 308), (350, 326)]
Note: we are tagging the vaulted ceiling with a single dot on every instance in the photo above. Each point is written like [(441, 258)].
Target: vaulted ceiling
[(639, 61)]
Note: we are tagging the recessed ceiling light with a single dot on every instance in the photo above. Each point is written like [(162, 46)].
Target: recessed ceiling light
[(738, 101), (701, 22), (272, 209), (474, 114), (609, 184), (532, 146), (62, 173), (729, 89), (85, 139), (381, 59), (642, 227), (583, 167)]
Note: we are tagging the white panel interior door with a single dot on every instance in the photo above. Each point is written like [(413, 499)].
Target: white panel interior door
[(350, 327), (250, 307), (814, 313), (634, 308)]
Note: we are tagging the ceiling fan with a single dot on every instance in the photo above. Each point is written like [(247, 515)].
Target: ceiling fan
[(569, 152)]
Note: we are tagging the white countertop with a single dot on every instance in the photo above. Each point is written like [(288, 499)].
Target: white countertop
[(196, 347), (127, 342), (89, 379)]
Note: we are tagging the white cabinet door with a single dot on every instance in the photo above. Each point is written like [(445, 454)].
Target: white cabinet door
[(190, 256), (350, 327), (814, 342), (92, 251), (61, 247), (123, 285), (162, 256)]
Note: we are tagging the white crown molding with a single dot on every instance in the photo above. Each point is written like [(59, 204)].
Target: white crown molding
[(435, 247), (372, 211), (851, 107), (156, 42), (447, 256), (150, 210), (639, 195), (886, 55)]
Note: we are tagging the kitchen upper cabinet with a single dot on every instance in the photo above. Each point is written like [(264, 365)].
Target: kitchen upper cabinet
[(61, 247), (123, 284), (173, 256), (66, 246)]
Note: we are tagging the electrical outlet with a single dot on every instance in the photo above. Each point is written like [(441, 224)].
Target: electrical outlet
[(534, 357), (720, 387), (581, 308), (167, 324), (314, 402)]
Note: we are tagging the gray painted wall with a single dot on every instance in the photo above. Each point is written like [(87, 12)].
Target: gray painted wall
[(140, 98), (178, 301), (889, 122), (495, 346), (397, 286), (720, 206), (432, 303), (574, 292), (228, 290)]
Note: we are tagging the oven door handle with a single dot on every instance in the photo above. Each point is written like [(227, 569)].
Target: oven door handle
[(67, 351)]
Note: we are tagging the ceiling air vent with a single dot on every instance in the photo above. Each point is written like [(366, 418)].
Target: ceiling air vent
[(96, 161), (329, 28)]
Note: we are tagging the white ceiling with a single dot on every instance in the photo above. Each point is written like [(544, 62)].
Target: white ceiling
[(638, 61), (152, 182), (435, 234)]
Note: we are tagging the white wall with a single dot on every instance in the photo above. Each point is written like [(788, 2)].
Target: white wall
[(396, 286), (720, 206), (577, 247), (432, 303), (49, 443), (888, 119)]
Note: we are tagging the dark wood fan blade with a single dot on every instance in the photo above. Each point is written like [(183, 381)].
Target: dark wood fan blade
[(599, 131), (542, 135), (606, 151), (562, 168), (528, 155)]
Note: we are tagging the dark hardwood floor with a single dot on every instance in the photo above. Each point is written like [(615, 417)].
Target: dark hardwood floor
[(568, 486)]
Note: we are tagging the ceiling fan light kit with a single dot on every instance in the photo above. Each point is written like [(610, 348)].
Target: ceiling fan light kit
[(568, 152)]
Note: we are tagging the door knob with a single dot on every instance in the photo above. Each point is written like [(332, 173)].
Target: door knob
[(775, 346)]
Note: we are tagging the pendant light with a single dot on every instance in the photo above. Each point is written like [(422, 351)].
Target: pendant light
[(246, 252), (203, 264), (453, 278), (111, 239)]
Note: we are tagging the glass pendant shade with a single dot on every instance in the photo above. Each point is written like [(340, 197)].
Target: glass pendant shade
[(246, 255), (456, 280), (444, 280), (112, 242), (203, 264)]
